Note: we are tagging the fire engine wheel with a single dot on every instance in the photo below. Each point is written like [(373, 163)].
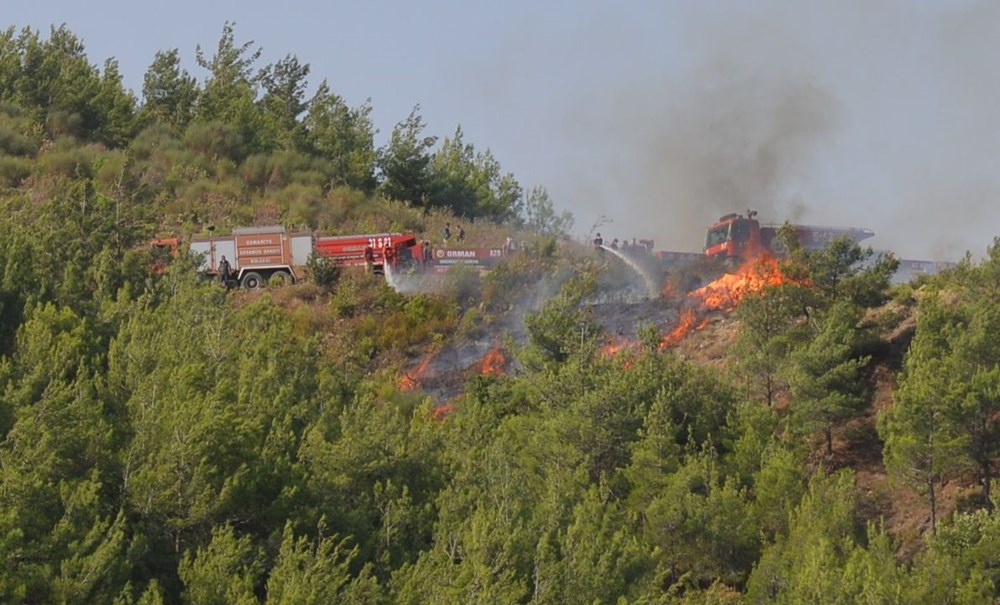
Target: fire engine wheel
[(252, 281), (282, 278)]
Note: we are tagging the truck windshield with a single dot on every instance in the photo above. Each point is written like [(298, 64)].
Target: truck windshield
[(717, 235), (741, 230)]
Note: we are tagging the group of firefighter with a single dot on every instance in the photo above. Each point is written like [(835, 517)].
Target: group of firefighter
[(635, 246)]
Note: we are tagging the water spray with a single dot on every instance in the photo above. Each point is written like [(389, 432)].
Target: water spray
[(651, 287)]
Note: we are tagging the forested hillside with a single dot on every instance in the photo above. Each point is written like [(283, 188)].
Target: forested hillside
[(822, 437)]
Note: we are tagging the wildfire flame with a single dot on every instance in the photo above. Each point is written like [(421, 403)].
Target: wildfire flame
[(411, 379), (724, 294), (442, 411), (493, 362), (684, 323), (727, 291), (615, 346)]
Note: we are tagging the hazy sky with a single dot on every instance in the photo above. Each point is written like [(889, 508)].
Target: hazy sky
[(658, 115)]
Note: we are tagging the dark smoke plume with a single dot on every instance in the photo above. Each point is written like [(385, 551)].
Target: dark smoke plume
[(853, 114)]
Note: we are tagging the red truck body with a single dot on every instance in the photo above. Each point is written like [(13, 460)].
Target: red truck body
[(740, 237), (349, 250), (468, 256), (441, 260)]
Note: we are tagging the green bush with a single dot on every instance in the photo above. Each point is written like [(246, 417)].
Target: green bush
[(322, 271), (13, 170)]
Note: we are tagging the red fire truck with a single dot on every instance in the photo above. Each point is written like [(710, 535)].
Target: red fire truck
[(738, 237), (256, 255)]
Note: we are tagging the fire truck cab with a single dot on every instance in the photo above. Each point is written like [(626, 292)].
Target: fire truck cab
[(734, 236)]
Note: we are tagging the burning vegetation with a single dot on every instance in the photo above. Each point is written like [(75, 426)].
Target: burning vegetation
[(493, 363), (752, 276), (411, 378), (697, 306)]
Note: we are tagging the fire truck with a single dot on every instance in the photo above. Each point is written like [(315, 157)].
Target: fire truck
[(255, 255), (736, 238), (740, 237)]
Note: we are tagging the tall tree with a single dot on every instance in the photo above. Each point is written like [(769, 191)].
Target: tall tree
[(116, 106), (459, 185), (471, 183), (405, 163), (60, 88), (58, 464), (224, 572), (768, 332), (11, 52), (540, 214), (309, 571), (825, 373), (975, 385), (229, 94), (806, 566), (284, 101), (344, 136), (923, 443), (845, 270), (169, 92)]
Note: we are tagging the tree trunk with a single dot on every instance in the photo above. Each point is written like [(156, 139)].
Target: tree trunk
[(930, 492), (987, 470)]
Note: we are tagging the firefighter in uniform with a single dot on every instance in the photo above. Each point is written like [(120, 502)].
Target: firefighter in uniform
[(369, 258), (224, 270)]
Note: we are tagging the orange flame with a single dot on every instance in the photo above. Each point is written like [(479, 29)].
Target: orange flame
[(493, 362), (684, 323), (727, 291), (442, 411), (614, 347), (411, 379)]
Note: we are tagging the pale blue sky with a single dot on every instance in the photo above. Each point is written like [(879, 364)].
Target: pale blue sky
[(659, 115)]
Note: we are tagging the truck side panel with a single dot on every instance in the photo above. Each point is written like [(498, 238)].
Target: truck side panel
[(468, 256), (211, 250), (262, 250), (302, 247)]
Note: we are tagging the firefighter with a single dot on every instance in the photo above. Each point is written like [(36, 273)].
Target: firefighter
[(446, 233), (461, 234), (389, 255), (599, 244), (224, 270), (369, 258), (427, 254)]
